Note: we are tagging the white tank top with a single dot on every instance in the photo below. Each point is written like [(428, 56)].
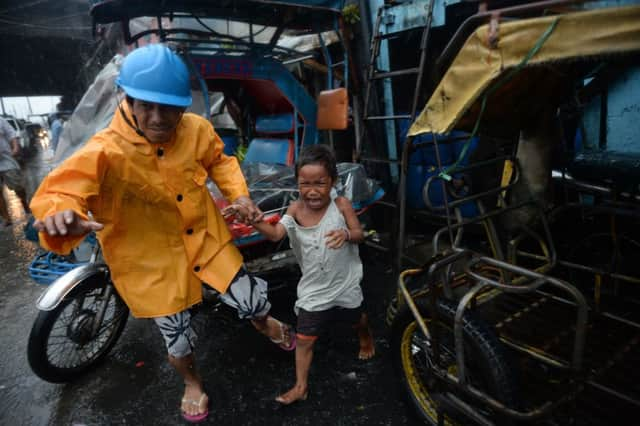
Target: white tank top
[(330, 277)]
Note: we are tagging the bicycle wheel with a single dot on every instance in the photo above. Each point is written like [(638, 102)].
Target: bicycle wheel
[(486, 362), (62, 343)]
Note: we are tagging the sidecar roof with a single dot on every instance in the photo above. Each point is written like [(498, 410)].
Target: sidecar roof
[(577, 40), (307, 14)]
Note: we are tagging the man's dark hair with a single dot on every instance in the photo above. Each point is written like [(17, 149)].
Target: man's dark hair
[(318, 154)]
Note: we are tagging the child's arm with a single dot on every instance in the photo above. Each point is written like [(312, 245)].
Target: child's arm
[(353, 233), (273, 232)]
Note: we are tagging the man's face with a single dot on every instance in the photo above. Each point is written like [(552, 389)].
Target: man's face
[(157, 121)]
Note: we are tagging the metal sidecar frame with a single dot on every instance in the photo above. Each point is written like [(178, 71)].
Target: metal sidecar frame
[(512, 319)]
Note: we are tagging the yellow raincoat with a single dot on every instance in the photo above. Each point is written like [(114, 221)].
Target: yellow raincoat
[(163, 235)]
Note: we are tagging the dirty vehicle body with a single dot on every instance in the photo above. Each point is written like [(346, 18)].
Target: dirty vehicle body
[(232, 48), (527, 310)]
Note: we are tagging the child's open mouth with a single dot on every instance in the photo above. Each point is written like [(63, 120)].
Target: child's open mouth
[(314, 202)]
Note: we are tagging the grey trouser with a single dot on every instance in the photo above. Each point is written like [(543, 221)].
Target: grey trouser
[(247, 294)]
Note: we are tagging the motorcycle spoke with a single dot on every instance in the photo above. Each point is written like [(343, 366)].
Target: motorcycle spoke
[(62, 350)]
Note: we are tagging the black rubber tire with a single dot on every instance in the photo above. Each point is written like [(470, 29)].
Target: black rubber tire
[(40, 358), (486, 361)]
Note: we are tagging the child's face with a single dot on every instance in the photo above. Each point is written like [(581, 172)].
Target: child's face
[(314, 184)]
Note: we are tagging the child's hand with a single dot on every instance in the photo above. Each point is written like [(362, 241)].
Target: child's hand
[(337, 238)]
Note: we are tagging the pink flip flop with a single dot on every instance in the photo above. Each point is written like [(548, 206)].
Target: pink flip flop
[(195, 418)]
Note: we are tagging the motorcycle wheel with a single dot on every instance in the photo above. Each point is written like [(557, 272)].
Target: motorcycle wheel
[(61, 345), (486, 363)]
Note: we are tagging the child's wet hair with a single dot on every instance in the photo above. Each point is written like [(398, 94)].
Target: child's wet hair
[(318, 154)]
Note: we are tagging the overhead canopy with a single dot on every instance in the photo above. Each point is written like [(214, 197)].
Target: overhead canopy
[(307, 14), (576, 36)]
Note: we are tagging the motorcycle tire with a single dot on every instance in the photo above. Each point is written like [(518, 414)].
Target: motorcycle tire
[(61, 347), (486, 363)]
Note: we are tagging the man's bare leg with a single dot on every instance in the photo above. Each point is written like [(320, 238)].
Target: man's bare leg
[(367, 347), (304, 355), (192, 404)]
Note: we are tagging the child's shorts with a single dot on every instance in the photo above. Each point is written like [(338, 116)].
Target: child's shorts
[(311, 325)]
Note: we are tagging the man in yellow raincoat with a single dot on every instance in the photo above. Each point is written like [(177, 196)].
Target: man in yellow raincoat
[(143, 182)]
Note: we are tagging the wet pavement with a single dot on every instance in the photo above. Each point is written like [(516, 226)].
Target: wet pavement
[(242, 370)]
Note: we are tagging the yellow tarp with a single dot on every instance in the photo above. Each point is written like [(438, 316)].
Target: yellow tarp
[(577, 35)]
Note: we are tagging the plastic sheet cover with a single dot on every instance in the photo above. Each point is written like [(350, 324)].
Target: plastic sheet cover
[(93, 113), (273, 186)]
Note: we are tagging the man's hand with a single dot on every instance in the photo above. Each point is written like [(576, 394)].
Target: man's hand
[(66, 223), (232, 210), (250, 213)]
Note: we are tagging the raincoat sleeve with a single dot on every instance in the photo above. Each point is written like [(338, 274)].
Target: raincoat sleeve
[(69, 186), (224, 170)]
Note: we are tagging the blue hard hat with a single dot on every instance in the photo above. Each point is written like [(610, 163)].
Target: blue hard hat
[(154, 73)]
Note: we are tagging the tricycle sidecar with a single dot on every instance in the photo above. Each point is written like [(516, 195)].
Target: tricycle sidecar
[(527, 310)]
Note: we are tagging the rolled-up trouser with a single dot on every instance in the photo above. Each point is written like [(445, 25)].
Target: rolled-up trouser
[(247, 294)]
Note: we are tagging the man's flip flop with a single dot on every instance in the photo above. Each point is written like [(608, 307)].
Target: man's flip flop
[(195, 418), (281, 342)]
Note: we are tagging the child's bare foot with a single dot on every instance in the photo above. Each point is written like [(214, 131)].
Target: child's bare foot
[(367, 347), (296, 393), (195, 403)]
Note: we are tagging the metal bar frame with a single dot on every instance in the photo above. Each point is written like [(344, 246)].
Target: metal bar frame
[(459, 382)]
